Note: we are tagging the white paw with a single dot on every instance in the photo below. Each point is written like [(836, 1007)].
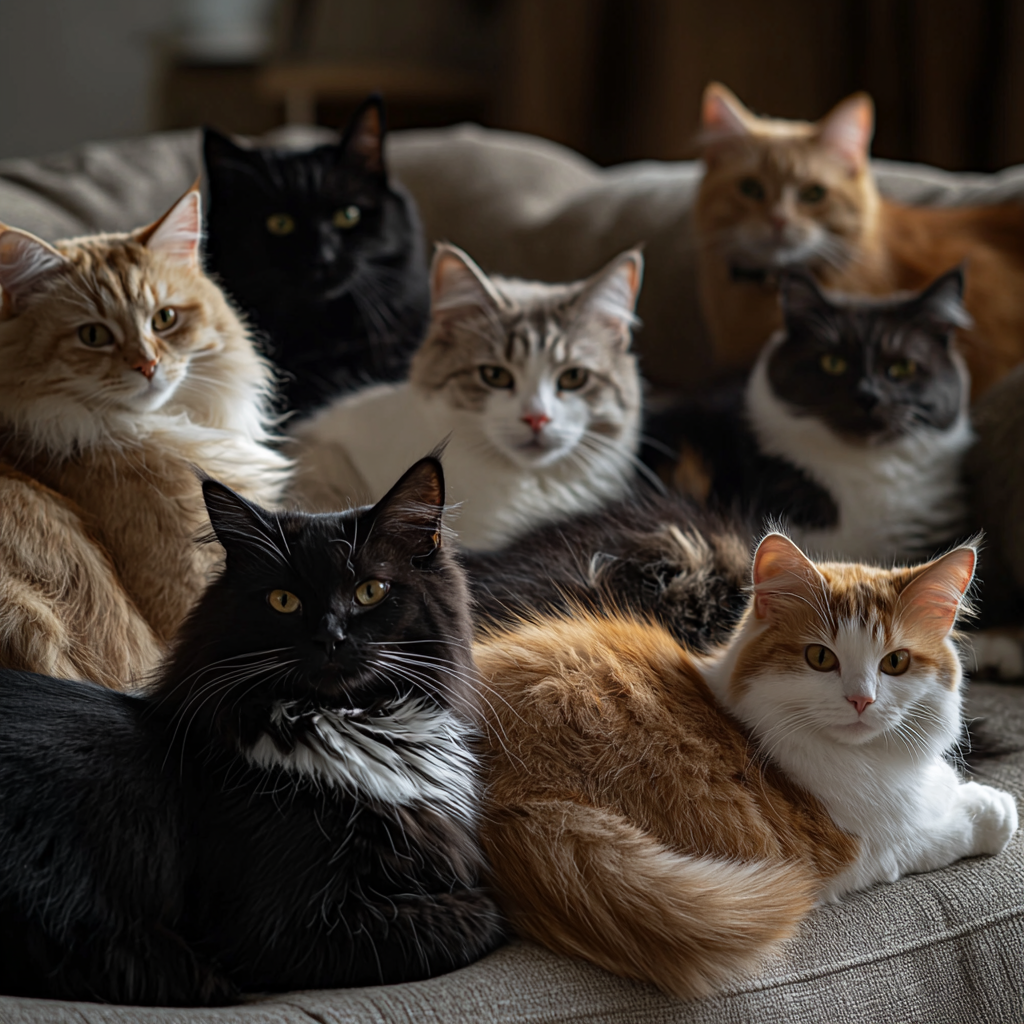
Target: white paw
[(998, 653), (995, 817)]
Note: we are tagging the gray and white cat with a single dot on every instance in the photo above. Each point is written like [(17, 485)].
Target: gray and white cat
[(533, 384)]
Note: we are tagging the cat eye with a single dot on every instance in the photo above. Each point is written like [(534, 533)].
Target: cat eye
[(833, 365), (280, 223), (813, 193), (283, 601), (820, 658), (164, 319), (895, 663), (371, 592), (902, 369), (496, 376), (347, 218), (751, 188), (95, 335), (573, 379)]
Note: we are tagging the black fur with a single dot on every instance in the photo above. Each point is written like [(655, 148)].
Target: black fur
[(147, 859), (339, 305)]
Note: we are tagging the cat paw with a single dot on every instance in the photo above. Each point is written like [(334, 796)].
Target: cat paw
[(995, 818)]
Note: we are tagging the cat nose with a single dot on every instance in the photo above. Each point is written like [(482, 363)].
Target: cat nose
[(536, 420), (330, 634), (147, 367), (860, 703), (866, 396), (777, 220)]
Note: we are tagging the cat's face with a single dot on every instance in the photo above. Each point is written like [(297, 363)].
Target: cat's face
[(871, 369), (540, 372), (782, 193), (344, 610), (851, 652)]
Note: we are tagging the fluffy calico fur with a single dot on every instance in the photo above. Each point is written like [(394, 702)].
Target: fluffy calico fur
[(122, 367), (778, 194), (673, 818), (292, 805), (852, 428), (324, 253), (533, 384)]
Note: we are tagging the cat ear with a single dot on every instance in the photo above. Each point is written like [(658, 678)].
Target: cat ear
[(25, 261), (457, 283), (847, 129), (364, 136), (612, 292), (412, 509), (941, 303), (781, 570), (177, 234), (244, 529), (931, 601), (219, 150), (723, 121), (800, 295)]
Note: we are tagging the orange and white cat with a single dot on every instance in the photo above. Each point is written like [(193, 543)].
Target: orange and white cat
[(673, 817), (780, 193)]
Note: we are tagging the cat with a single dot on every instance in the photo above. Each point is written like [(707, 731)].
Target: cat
[(291, 804), (779, 194), (534, 384), (852, 427), (324, 253), (673, 817), (122, 366)]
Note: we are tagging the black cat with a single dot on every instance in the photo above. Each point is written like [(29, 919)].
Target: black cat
[(291, 806), (324, 254)]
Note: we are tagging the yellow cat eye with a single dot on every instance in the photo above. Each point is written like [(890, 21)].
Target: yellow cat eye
[(371, 592), (347, 218), (751, 188), (283, 601), (895, 663), (902, 369), (820, 658), (280, 223), (833, 365), (95, 335), (813, 193), (164, 319), (496, 376), (573, 379)]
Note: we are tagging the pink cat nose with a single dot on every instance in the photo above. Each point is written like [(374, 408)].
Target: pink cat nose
[(860, 703), (537, 420), (147, 367)]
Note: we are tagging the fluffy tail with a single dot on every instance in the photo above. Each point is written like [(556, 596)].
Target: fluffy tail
[(584, 882)]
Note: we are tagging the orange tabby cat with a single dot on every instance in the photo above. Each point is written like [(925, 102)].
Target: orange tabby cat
[(122, 368), (780, 193), (672, 818)]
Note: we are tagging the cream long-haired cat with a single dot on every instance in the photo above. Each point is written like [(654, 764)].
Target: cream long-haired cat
[(673, 818), (123, 368), (779, 193), (534, 385)]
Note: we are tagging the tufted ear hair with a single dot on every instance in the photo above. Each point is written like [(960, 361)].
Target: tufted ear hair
[(800, 295), (178, 233), (458, 285), (364, 136), (25, 262), (413, 509), (248, 533), (782, 572), (931, 601), (613, 291), (847, 129), (941, 303)]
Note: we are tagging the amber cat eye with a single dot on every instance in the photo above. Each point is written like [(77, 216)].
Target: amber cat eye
[(347, 218), (280, 223), (496, 376), (283, 601), (751, 188), (833, 365), (820, 658), (95, 335), (895, 663), (164, 318), (813, 193), (573, 379), (371, 592), (902, 369)]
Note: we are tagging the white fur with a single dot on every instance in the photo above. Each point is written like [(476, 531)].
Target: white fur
[(897, 501), (410, 754)]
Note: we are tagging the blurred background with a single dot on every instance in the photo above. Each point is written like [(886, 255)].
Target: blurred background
[(615, 80)]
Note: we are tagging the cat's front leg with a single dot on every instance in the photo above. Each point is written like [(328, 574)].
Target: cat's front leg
[(994, 815)]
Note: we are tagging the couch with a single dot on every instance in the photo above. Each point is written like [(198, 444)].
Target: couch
[(946, 946)]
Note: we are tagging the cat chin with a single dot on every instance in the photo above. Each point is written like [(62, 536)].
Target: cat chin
[(532, 456), (152, 397)]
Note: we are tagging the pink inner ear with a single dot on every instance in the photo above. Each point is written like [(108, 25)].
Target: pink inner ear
[(847, 130), (24, 261), (720, 118), (178, 234), (781, 569), (457, 283), (932, 599)]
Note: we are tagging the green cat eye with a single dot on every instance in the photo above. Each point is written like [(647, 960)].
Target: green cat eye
[(813, 193), (833, 365), (573, 379), (371, 592), (895, 663), (820, 658), (751, 188), (901, 369), (347, 218), (95, 335), (283, 601), (164, 318), (280, 223), (496, 377)]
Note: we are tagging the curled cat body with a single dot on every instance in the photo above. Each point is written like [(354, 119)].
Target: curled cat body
[(673, 817), (780, 194), (122, 368), (533, 385)]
